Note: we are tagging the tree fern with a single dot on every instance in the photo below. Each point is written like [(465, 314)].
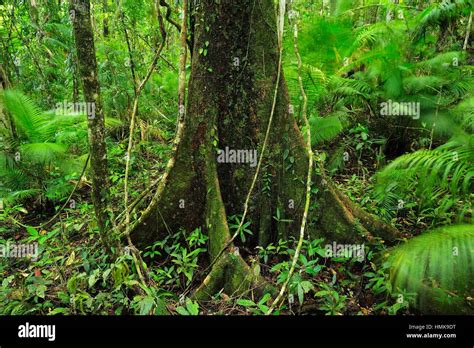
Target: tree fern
[(438, 267)]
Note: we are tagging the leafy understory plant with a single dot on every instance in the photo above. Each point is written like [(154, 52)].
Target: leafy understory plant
[(259, 307), (438, 179), (234, 223), (190, 308), (331, 302)]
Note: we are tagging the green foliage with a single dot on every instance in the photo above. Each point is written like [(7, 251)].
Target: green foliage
[(234, 223), (332, 302), (325, 128), (437, 178), (355, 55), (28, 164), (191, 308), (438, 267), (259, 308), (48, 152), (448, 167), (90, 282), (439, 13), (184, 252)]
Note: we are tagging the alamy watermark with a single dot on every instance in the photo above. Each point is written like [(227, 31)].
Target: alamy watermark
[(37, 331), (15, 250), (393, 108), (356, 251), (82, 108), (237, 156)]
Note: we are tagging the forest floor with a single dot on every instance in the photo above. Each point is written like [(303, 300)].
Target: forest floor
[(74, 276)]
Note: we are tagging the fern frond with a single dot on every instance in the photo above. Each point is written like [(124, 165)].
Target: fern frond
[(464, 114), (416, 84), (368, 35), (442, 61), (20, 195)]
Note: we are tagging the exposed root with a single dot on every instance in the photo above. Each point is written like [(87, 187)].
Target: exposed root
[(351, 215), (232, 275), (369, 221), (229, 271)]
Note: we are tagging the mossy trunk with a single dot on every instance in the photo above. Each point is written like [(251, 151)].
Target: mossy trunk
[(5, 117), (84, 38), (231, 89), (233, 76)]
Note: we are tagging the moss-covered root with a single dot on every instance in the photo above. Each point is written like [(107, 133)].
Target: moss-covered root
[(233, 276), (345, 221), (229, 272), (369, 221)]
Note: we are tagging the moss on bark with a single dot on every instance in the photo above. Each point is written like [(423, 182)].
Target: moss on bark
[(229, 101)]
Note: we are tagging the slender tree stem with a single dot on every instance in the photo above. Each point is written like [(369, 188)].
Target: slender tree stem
[(132, 121), (308, 178), (468, 32)]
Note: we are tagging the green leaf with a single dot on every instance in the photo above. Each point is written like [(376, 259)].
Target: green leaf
[(146, 304), (245, 303), (59, 310), (192, 307), (32, 231), (40, 289), (300, 293), (182, 310)]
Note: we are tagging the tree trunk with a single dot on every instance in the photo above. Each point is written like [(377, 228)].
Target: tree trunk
[(84, 38), (6, 117), (231, 90)]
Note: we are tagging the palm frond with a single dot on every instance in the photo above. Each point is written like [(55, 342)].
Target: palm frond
[(24, 111), (450, 166), (444, 11), (326, 128), (438, 267), (41, 153)]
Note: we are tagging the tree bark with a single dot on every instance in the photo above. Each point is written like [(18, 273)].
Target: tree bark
[(7, 119), (84, 37), (230, 97)]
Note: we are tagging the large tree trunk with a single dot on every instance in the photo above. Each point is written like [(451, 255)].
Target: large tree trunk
[(84, 37), (231, 90)]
